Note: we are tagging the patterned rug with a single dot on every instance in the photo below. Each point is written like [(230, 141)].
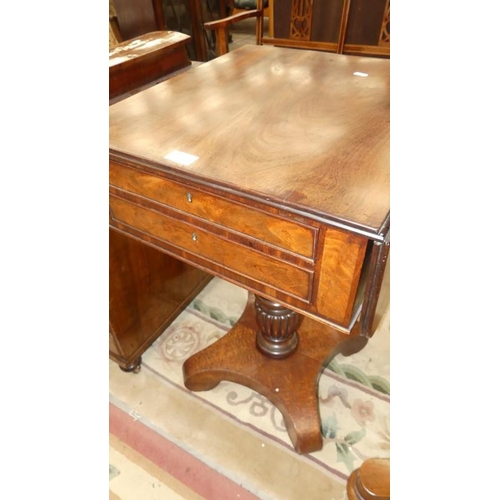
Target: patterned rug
[(235, 433)]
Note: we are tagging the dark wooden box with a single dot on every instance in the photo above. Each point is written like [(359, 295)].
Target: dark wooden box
[(144, 59)]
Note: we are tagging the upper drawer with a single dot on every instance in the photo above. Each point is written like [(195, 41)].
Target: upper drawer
[(271, 229)]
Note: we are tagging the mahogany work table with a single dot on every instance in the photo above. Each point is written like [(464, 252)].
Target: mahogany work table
[(267, 167)]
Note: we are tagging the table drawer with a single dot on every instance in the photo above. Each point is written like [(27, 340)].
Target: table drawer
[(270, 229), (263, 270)]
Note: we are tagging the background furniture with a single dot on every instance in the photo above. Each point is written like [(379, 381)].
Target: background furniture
[(237, 6), (145, 59), (343, 26), (137, 17), (147, 291)]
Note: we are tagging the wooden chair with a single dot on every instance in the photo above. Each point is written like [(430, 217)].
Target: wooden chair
[(342, 26)]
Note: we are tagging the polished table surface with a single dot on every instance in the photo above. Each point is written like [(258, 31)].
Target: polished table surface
[(267, 122), (268, 167)]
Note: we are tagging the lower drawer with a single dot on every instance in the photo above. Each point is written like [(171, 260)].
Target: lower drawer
[(263, 270)]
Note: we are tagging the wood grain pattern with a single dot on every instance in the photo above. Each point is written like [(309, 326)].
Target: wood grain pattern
[(334, 271), (316, 137), (270, 229), (342, 259)]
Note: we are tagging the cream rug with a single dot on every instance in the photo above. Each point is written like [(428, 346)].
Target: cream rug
[(238, 432)]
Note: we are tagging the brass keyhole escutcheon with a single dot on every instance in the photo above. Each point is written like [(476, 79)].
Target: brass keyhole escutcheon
[(194, 236), (189, 197)]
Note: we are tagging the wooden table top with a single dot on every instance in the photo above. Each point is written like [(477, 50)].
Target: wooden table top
[(294, 128)]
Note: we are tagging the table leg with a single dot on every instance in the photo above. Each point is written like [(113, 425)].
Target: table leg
[(275, 363)]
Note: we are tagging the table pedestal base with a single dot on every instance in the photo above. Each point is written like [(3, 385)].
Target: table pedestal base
[(289, 383)]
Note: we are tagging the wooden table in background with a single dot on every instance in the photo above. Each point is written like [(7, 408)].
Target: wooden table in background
[(267, 167)]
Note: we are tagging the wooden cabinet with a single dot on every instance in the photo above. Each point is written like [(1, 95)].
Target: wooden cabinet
[(147, 291)]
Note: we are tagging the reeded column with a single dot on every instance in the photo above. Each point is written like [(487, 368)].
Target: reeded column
[(277, 336)]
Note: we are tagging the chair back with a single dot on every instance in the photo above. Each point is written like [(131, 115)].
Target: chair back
[(359, 27), (342, 26)]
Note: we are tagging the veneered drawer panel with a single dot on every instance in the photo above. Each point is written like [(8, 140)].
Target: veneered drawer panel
[(282, 233), (341, 263), (240, 259)]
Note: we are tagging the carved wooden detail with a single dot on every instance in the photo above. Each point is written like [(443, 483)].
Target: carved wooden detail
[(277, 335), (300, 26)]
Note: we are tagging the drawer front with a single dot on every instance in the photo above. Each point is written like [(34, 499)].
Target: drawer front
[(270, 229), (341, 263), (260, 268)]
